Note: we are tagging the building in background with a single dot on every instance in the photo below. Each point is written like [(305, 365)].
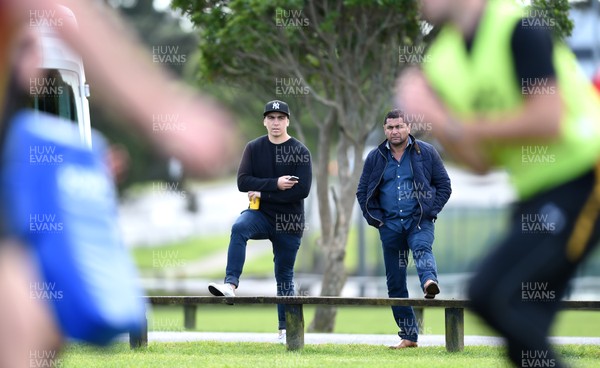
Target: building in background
[(585, 39)]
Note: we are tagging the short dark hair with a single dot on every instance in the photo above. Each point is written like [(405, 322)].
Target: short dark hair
[(394, 114)]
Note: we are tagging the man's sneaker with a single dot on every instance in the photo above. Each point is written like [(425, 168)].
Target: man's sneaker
[(221, 289), (282, 337), (431, 289)]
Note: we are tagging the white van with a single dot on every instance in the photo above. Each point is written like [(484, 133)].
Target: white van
[(62, 90)]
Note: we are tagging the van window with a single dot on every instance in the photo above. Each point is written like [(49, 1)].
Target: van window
[(54, 93)]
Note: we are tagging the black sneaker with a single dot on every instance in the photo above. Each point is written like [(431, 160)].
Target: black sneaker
[(431, 289)]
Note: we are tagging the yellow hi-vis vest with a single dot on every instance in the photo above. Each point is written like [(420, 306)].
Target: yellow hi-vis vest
[(483, 83)]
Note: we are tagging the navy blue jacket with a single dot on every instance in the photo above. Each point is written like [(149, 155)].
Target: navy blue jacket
[(431, 182)]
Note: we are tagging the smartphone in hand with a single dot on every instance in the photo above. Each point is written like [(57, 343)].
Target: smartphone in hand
[(294, 178)]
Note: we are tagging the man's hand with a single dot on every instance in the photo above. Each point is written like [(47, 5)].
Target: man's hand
[(140, 91), (285, 182), (415, 96), (253, 194)]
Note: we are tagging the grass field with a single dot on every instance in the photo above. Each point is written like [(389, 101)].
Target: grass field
[(150, 259), (363, 320), (259, 355)]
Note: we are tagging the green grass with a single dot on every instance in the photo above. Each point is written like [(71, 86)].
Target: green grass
[(352, 320), (259, 355), (174, 254)]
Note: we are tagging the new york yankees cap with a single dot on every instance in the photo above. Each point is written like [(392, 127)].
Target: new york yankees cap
[(277, 106)]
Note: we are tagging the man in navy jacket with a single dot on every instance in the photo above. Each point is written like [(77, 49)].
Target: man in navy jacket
[(403, 187)]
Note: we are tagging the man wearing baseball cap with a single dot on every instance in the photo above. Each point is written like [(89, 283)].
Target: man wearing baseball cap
[(277, 106), (276, 173)]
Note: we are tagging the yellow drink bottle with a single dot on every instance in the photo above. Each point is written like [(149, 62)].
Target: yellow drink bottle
[(254, 203)]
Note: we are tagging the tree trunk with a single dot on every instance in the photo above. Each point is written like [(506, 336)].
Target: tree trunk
[(334, 279), (333, 242)]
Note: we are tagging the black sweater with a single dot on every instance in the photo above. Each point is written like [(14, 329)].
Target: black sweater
[(262, 164)]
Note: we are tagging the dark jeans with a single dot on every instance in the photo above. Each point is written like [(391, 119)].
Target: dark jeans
[(519, 285), (396, 246), (253, 224)]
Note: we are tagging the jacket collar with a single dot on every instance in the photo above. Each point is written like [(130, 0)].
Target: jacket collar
[(383, 147)]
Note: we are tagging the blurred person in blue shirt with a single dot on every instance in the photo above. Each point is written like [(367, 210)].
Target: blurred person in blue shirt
[(127, 81)]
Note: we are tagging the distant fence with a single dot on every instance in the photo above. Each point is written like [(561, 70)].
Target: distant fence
[(462, 236)]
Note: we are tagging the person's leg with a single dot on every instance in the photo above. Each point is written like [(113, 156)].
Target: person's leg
[(285, 249), (518, 287), (395, 258), (250, 224), (420, 241)]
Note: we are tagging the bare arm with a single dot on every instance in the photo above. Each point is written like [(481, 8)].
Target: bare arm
[(126, 80), (538, 119)]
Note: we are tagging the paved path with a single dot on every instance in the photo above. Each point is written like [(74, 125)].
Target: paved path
[(316, 338)]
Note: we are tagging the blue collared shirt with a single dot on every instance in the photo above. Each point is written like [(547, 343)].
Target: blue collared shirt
[(396, 192)]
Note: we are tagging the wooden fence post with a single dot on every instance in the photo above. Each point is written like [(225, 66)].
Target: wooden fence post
[(189, 316), (139, 339), (455, 329), (294, 317), (419, 312)]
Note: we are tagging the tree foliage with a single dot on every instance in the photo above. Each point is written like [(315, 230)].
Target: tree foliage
[(558, 12)]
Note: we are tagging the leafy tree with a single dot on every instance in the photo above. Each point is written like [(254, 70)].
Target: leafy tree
[(557, 11)]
